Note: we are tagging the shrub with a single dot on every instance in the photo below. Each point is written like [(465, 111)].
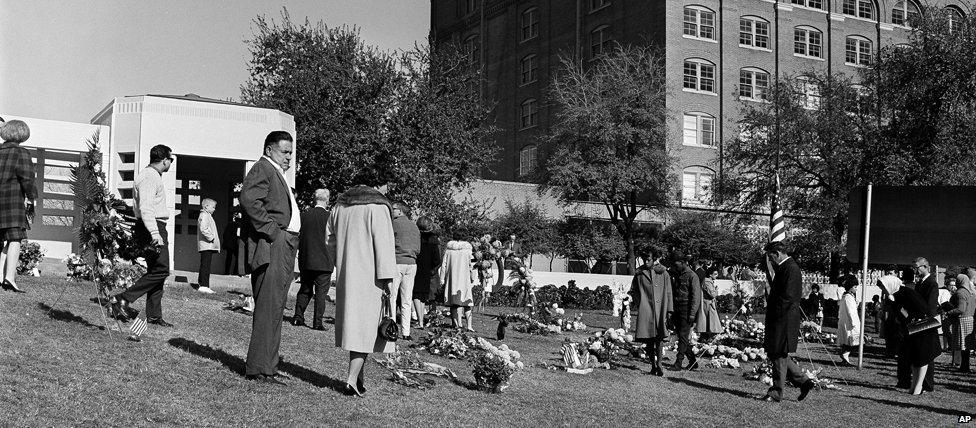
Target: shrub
[(30, 255), (571, 297)]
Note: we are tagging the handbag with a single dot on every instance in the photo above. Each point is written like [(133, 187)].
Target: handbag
[(389, 330), (923, 324)]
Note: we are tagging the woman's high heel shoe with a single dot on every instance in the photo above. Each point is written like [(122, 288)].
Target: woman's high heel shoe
[(7, 285)]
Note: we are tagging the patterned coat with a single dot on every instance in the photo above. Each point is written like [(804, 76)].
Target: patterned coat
[(16, 184)]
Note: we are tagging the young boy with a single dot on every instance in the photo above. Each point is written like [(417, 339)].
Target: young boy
[(208, 243)]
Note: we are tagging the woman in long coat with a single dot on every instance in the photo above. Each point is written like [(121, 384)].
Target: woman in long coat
[(708, 322), (959, 315), (428, 281), (360, 241), (17, 192), (456, 279), (652, 289), (848, 323)]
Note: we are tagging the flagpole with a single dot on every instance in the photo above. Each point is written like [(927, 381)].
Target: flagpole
[(864, 275)]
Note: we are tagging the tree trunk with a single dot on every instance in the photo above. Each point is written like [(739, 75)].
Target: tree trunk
[(629, 240)]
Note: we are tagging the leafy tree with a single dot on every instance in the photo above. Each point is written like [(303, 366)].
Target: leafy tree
[(534, 230), (707, 235), (609, 137), (339, 91), (591, 241), (820, 134), (928, 103)]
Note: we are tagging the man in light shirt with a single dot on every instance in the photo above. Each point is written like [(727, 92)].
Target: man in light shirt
[(271, 210), (151, 216)]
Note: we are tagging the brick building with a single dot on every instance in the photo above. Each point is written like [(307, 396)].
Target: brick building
[(718, 54)]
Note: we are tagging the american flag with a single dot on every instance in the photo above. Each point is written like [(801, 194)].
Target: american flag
[(138, 326), (777, 226)]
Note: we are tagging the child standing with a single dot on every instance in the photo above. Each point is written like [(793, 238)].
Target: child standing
[(208, 243)]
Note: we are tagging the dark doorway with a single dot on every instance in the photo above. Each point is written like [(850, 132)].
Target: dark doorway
[(198, 178)]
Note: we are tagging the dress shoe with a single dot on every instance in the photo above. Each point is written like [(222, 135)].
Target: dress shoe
[(122, 311), (159, 321), (318, 327), (693, 364), (297, 322), (351, 391), (361, 386), (656, 371), (805, 390), (770, 399), (265, 379), (9, 286)]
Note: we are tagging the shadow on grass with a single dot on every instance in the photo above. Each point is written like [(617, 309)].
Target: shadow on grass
[(66, 316), (912, 405), (714, 388), (237, 365)]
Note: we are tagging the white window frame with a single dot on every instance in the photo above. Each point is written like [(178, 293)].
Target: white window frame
[(752, 32), (529, 114), (810, 93), (905, 12), (752, 78), (528, 160), (700, 12), (530, 24), (700, 67), (695, 130), (861, 58), (857, 9), (531, 74), (809, 4), (808, 42), (701, 190)]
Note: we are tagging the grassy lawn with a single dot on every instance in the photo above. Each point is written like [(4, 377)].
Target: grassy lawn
[(58, 367)]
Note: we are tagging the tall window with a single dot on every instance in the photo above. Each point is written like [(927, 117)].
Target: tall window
[(859, 8), (809, 93), (696, 185), (600, 41), (527, 160), (598, 4), (472, 48), (808, 41), (699, 75), (813, 4), (529, 70), (754, 31), (857, 51), (905, 13), (956, 18), (753, 83), (698, 130), (530, 113), (530, 23), (699, 22)]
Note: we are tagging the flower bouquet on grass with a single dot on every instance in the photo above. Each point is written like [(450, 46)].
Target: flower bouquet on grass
[(117, 274), (493, 368), (749, 329), (762, 372), (78, 269), (409, 370), (606, 345), (820, 382), (450, 343), (524, 323)]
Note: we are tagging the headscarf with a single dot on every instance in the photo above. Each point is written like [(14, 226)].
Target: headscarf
[(963, 281), (890, 283)]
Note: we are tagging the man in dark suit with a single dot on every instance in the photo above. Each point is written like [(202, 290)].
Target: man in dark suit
[(313, 262), (272, 212), (928, 289), (687, 296), (783, 322)]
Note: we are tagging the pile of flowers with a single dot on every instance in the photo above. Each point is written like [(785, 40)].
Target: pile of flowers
[(820, 382), (524, 283), (449, 343), (525, 323), (749, 329), (31, 254), (408, 369), (724, 351), (494, 367), (117, 274), (723, 361), (486, 252), (605, 345), (810, 330), (762, 372), (575, 324), (78, 269)]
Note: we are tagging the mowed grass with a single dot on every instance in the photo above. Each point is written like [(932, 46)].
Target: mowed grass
[(58, 367)]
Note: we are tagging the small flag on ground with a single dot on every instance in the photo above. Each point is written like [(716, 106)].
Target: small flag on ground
[(138, 326)]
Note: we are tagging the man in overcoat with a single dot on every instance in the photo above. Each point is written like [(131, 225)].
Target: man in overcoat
[(313, 262), (272, 212), (687, 295), (783, 322)]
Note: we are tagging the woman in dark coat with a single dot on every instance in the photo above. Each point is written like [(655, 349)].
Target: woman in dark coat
[(427, 283), (919, 349), (652, 289), (17, 195)]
